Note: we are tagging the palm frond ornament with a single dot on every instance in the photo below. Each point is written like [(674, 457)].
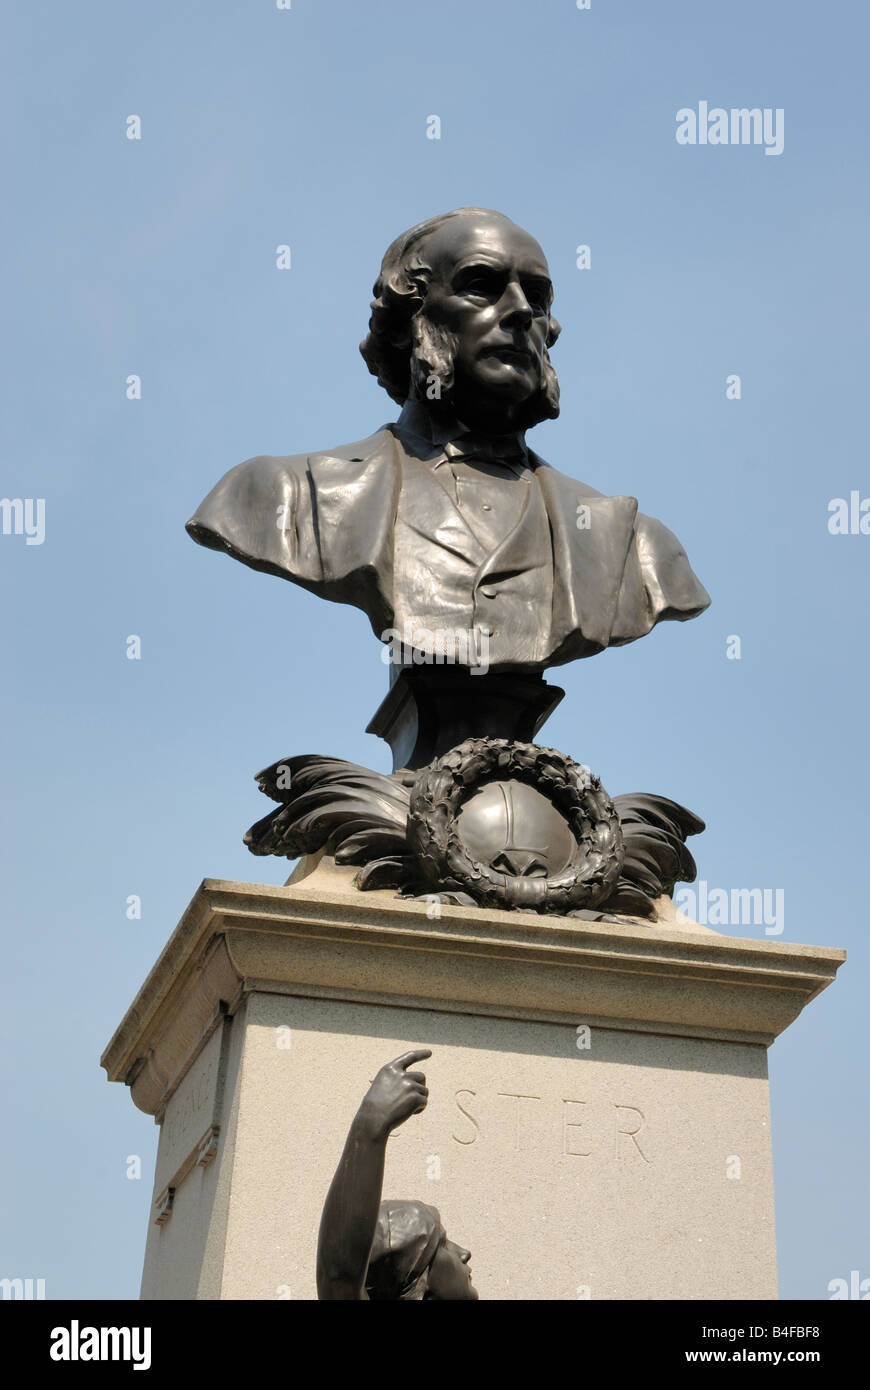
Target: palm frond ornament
[(493, 822)]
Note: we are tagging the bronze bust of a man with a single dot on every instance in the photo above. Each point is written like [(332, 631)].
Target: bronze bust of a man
[(445, 523)]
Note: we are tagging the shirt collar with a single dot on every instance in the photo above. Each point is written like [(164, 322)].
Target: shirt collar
[(438, 432)]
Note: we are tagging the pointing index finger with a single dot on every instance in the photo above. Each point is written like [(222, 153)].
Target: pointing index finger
[(419, 1054)]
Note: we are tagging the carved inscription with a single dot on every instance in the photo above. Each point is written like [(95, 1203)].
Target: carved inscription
[(517, 1125), (569, 1126), (470, 1132)]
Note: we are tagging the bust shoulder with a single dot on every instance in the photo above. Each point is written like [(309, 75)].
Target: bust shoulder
[(250, 491)]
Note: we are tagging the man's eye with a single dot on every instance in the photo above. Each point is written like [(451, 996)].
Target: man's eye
[(538, 298), (480, 284)]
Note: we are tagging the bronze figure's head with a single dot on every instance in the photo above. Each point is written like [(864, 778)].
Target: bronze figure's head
[(462, 320), (412, 1258)]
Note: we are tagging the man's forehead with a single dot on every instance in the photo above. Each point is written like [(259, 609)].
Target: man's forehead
[(495, 238)]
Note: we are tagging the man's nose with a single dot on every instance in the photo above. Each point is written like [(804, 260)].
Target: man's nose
[(515, 308), (465, 1256)]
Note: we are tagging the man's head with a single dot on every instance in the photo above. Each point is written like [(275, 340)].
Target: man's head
[(461, 320), (413, 1259)]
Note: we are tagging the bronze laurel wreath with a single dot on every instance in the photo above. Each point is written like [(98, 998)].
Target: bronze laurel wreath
[(441, 789)]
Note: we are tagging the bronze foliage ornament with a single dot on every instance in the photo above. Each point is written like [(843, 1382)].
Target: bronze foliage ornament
[(410, 831)]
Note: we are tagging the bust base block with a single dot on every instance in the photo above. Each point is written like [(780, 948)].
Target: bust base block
[(598, 1123)]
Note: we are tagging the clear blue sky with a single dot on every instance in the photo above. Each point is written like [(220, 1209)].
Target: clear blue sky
[(157, 257)]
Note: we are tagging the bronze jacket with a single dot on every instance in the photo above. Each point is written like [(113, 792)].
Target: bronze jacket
[(327, 521)]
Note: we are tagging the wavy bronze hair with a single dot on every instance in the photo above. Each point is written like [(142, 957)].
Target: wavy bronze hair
[(403, 348)]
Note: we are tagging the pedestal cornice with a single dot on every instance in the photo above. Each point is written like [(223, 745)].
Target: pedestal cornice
[(237, 938)]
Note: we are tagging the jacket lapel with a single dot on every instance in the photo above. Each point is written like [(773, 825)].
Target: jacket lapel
[(590, 549), (433, 510)]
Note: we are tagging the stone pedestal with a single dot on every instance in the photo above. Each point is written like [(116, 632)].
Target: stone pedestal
[(598, 1123)]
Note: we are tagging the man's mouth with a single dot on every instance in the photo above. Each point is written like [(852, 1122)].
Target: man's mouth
[(518, 356)]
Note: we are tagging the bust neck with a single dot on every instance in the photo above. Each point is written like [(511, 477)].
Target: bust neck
[(444, 427)]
